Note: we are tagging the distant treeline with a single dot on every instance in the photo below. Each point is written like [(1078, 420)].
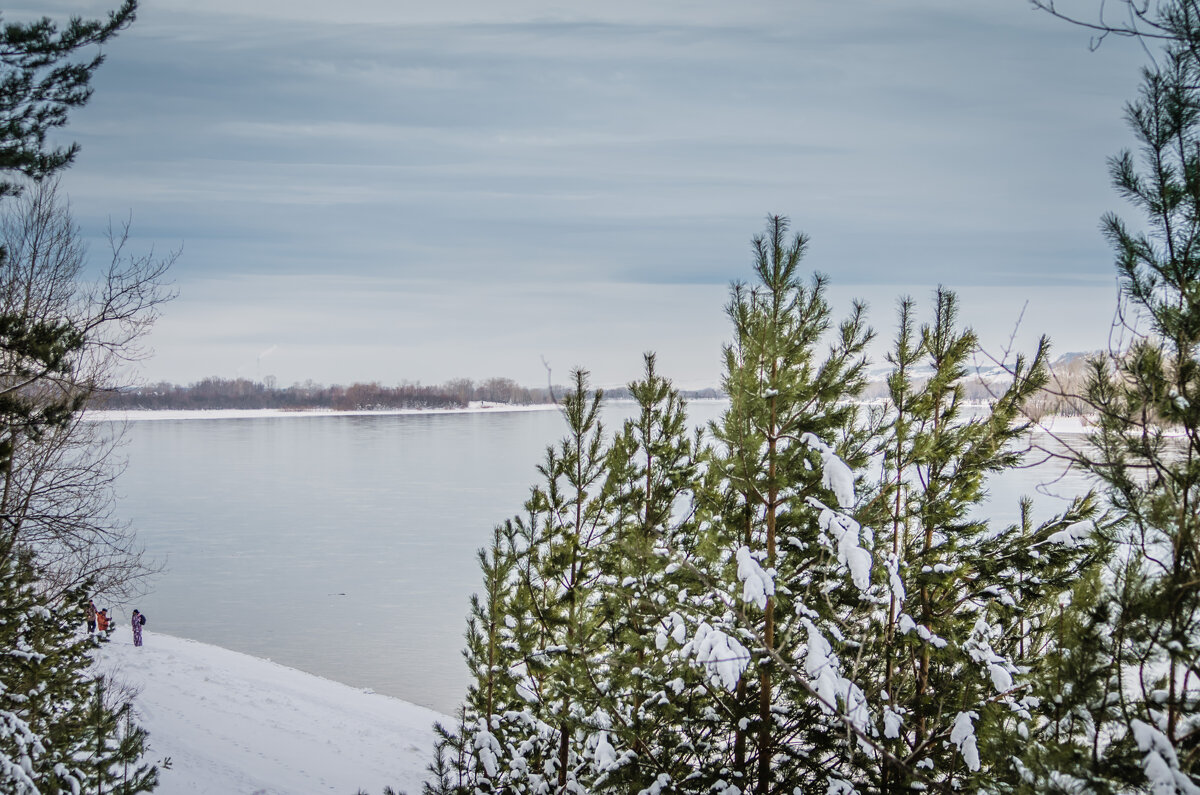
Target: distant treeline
[(242, 393), (1067, 377), (623, 393)]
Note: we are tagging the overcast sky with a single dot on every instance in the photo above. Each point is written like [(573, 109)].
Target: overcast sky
[(383, 190)]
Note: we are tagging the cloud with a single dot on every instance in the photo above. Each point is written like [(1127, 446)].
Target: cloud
[(542, 145)]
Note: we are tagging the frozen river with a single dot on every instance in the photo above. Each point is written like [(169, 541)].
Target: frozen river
[(345, 545)]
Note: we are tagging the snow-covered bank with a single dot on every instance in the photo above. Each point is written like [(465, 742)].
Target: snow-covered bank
[(1056, 424), (134, 415), (235, 724)]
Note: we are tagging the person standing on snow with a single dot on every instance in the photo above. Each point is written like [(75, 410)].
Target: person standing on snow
[(138, 621), (90, 613)]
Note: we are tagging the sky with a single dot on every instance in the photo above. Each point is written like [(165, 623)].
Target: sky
[(377, 190)]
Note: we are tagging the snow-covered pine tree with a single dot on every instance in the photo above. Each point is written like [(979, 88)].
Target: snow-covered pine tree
[(653, 702), (543, 728), (1145, 451), (1069, 647), (779, 463), (56, 732), (761, 619), (466, 756), (961, 599)]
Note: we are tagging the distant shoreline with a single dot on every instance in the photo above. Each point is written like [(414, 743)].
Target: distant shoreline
[(1054, 424), (142, 415)]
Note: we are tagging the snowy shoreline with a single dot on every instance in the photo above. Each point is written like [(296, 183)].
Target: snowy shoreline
[(232, 723)]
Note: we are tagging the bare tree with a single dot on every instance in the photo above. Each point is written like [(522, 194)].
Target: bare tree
[(1172, 23), (64, 343)]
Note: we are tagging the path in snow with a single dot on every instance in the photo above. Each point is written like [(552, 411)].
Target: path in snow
[(235, 725)]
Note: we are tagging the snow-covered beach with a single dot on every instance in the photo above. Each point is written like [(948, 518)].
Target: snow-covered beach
[(233, 724)]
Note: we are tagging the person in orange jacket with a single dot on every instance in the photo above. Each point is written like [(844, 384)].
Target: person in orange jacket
[(102, 620)]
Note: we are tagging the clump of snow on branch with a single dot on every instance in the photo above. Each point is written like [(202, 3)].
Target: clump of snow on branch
[(487, 748), (605, 756), (892, 723), (1073, 535), (526, 687), (963, 738), (835, 475), (979, 648), (906, 625), (722, 656), (1161, 764), (895, 581), (678, 631), (844, 532), (758, 583), (824, 670)]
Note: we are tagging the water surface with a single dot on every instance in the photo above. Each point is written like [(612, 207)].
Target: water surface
[(346, 545)]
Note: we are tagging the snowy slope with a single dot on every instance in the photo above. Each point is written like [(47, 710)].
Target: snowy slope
[(235, 725)]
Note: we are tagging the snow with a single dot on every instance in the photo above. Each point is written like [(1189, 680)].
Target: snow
[(963, 737), (906, 624), (234, 723), (1001, 679), (605, 754), (487, 747), (835, 475), (895, 581), (892, 723), (1056, 425), (823, 669), (1072, 536), (1161, 764), (721, 655), (758, 584), (845, 532)]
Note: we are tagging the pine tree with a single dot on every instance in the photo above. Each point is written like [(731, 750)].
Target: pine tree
[(789, 416), (963, 597), (534, 710), (652, 703), (40, 83), (1145, 451), (814, 603), (56, 731)]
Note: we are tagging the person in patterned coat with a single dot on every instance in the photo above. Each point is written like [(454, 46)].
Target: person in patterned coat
[(138, 621)]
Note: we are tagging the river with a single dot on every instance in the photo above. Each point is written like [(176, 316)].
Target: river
[(345, 546)]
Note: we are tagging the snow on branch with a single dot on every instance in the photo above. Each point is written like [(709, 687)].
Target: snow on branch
[(1074, 535), (824, 671), (835, 475), (963, 738), (844, 532), (758, 583), (1161, 764), (722, 656)]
